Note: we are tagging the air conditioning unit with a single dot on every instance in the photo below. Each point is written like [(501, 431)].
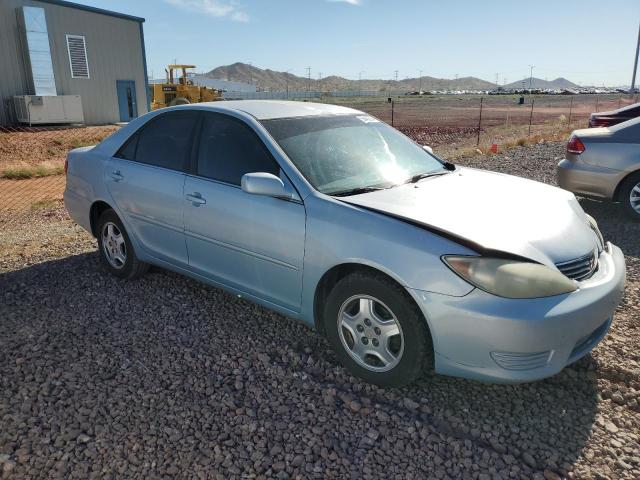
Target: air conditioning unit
[(40, 109)]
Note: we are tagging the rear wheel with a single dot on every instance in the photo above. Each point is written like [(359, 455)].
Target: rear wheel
[(116, 250), (376, 330), (630, 196)]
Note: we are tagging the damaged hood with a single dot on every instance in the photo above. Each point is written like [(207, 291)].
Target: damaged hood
[(492, 211)]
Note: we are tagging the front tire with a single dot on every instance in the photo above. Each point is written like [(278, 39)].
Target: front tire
[(115, 248), (377, 331), (630, 196)]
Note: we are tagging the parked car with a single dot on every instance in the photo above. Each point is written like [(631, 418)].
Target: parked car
[(604, 164), (329, 216), (613, 117)]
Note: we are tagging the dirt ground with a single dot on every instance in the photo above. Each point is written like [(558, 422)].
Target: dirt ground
[(464, 110), (45, 146)]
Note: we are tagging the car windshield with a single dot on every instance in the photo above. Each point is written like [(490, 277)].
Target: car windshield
[(343, 154)]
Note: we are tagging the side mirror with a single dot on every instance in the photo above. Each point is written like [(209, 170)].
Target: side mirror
[(428, 149), (266, 184)]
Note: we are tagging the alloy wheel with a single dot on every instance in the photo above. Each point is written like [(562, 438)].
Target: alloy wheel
[(634, 198), (370, 333), (113, 245)]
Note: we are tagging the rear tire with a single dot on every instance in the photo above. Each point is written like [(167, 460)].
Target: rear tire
[(377, 331), (630, 196), (115, 248)]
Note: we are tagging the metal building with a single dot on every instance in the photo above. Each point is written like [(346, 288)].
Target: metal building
[(61, 62)]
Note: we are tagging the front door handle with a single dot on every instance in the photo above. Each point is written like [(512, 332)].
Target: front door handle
[(116, 176), (195, 198)]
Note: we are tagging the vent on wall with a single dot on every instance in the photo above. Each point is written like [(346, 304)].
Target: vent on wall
[(77, 56)]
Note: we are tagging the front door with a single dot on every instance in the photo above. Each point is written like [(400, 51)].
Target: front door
[(127, 100), (249, 242)]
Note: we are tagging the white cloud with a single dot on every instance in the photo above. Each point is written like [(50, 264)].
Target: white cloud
[(213, 8), (350, 2)]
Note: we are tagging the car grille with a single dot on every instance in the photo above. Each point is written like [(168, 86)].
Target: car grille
[(580, 268)]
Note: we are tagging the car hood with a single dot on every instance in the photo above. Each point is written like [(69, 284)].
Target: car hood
[(492, 211)]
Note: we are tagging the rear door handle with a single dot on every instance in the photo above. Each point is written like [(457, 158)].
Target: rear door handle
[(116, 176), (195, 198)]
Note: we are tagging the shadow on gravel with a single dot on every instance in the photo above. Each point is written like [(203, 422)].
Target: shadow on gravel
[(165, 375)]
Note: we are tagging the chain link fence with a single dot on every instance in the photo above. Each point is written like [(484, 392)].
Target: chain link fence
[(32, 158)]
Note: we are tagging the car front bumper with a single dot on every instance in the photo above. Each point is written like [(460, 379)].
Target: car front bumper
[(588, 180), (484, 337)]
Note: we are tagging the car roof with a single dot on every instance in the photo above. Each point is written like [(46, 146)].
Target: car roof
[(270, 109)]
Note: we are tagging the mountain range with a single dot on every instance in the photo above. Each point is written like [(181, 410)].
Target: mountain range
[(271, 80), (557, 84)]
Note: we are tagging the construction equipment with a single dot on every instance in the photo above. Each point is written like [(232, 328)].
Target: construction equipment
[(180, 90)]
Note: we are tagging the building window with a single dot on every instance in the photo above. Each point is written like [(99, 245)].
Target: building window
[(77, 56)]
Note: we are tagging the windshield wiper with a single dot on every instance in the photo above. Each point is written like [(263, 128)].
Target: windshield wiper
[(355, 191), (420, 176)]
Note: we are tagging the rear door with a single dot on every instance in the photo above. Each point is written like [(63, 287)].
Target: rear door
[(249, 242), (146, 180)]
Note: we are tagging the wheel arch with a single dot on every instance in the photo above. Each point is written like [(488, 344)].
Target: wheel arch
[(336, 273), (97, 208), (616, 192)]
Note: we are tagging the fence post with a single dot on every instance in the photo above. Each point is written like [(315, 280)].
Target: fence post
[(480, 121), (570, 110), (531, 115)]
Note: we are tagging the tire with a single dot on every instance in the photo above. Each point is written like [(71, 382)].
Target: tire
[(631, 185), (115, 248), (179, 101), (407, 354)]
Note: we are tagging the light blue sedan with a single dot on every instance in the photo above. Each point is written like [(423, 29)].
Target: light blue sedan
[(327, 215)]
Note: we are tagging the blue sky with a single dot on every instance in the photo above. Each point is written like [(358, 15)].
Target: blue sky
[(587, 41)]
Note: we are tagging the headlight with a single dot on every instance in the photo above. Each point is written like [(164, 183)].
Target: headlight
[(594, 226), (510, 278)]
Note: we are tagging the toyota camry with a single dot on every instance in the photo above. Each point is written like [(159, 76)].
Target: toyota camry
[(331, 217)]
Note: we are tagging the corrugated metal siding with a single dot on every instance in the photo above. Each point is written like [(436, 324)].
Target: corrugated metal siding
[(114, 52)]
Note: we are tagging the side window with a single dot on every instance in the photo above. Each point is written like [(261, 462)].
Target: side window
[(166, 140), (128, 150), (229, 149)]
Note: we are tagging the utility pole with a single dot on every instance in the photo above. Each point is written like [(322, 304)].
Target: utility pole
[(420, 89), (531, 76), (497, 80), (635, 63), (309, 79), (286, 79)]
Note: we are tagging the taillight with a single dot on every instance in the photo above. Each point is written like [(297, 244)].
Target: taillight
[(66, 165), (575, 145)]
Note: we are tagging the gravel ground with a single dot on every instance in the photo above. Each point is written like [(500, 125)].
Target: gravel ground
[(166, 377)]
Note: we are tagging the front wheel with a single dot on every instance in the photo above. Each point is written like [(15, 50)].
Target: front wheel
[(116, 250), (630, 196), (377, 331)]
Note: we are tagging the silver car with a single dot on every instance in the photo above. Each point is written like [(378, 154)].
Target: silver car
[(329, 216), (604, 164)]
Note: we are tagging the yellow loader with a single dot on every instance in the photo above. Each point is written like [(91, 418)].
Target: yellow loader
[(180, 90)]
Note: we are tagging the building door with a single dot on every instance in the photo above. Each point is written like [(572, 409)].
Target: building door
[(127, 100)]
